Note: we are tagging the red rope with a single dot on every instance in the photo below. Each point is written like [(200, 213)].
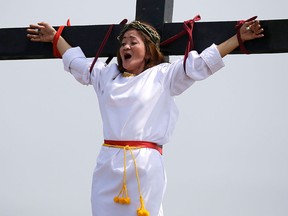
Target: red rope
[(188, 29), (104, 43), (240, 41), (56, 52)]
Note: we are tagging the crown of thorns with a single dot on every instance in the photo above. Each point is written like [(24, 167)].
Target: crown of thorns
[(152, 33)]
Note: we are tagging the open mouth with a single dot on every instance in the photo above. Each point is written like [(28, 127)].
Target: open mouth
[(127, 56)]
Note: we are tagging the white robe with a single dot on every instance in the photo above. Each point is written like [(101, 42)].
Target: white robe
[(137, 108)]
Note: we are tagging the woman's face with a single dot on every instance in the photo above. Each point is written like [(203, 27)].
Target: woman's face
[(133, 52)]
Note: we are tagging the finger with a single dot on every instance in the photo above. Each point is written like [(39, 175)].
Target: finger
[(34, 26), (259, 35), (259, 31), (251, 24), (31, 31), (248, 24), (34, 29), (43, 24), (33, 37), (257, 28)]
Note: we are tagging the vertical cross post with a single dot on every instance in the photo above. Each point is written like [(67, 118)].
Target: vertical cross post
[(155, 12)]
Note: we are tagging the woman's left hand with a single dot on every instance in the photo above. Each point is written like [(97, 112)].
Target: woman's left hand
[(251, 30)]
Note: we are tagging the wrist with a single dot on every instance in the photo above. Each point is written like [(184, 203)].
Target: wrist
[(241, 42), (53, 36)]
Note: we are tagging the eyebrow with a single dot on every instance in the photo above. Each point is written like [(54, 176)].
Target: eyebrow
[(131, 36)]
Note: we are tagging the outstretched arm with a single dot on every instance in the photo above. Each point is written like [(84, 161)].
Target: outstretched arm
[(44, 32), (249, 31)]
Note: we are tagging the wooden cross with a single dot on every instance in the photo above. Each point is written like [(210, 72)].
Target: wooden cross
[(15, 45)]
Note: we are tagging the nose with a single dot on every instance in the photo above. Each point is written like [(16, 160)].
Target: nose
[(126, 47)]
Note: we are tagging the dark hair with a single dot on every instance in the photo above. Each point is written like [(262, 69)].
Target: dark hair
[(153, 51)]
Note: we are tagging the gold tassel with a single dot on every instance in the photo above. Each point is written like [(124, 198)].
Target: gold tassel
[(122, 197), (142, 211)]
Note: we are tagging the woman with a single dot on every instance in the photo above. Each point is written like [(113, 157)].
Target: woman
[(136, 100)]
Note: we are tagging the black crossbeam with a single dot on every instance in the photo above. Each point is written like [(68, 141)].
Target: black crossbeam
[(15, 45)]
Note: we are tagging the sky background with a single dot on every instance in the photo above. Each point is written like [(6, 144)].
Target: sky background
[(228, 155)]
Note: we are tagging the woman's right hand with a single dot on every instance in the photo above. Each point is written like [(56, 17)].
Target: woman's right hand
[(41, 32)]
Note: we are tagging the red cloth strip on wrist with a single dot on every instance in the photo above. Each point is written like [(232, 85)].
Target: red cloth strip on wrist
[(135, 143), (56, 52), (238, 26), (188, 29)]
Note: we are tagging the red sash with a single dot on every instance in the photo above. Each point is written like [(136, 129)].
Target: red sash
[(134, 143)]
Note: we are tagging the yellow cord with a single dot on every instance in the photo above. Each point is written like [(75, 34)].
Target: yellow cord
[(123, 197)]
